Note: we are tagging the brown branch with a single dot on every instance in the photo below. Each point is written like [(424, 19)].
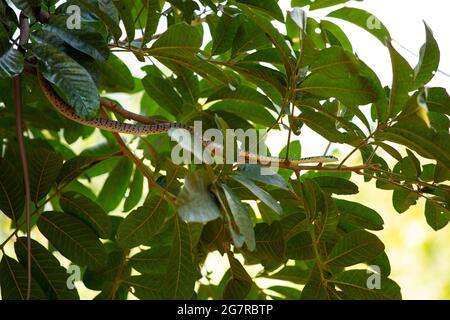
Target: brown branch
[(115, 107), (18, 102)]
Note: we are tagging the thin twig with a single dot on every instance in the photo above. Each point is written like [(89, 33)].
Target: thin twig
[(18, 102)]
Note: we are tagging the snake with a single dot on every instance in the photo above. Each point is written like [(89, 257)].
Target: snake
[(159, 128)]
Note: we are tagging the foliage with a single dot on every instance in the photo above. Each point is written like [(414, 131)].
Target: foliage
[(249, 75)]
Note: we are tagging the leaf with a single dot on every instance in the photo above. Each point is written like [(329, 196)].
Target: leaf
[(336, 32), (336, 185), (75, 166), (256, 114), (269, 7), (413, 133), (428, 61), (438, 100), (123, 7), (437, 217), (46, 270), (44, 167), (316, 288), (241, 217), (11, 63), (116, 185), (12, 196), (243, 94), (115, 75), (271, 32), (359, 215), (135, 193), (146, 286), (27, 6), (355, 247), (300, 247), (270, 244), (240, 283), (224, 33), (143, 223), (195, 203), (354, 284), (74, 239), (88, 211), (259, 193), (402, 82), (255, 173), (86, 39), (295, 274), (107, 19), (352, 90), (151, 24), (152, 261), (162, 91), (181, 271), (363, 19), (70, 78), (13, 281)]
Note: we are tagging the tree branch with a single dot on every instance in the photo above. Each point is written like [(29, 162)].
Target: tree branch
[(18, 103)]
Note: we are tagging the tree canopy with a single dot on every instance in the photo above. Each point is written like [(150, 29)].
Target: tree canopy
[(148, 228)]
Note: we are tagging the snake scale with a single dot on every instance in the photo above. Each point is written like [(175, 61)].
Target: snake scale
[(146, 129)]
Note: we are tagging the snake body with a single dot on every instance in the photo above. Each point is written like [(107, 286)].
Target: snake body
[(146, 129)]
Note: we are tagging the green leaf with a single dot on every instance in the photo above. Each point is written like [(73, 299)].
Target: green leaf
[(269, 7), (13, 281), (255, 113), (355, 247), (259, 193), (163, 92), (438, 100), (224, 33), (70, 78), (44, 166), (135, 193), (27, 6), (248, 37), (300, 247), (46, 270), (365, 20), (12, 196), (115, 75), (107, 19), (413, 133), (352, 90), (88, 211), (239, 284), (428, 61), (270, 244), (86, 39), (181, 271), (336, 185), (437, 216), (143, 223), (151, 24), (243, 94), (11, 63), (195, 203), (295, 274), (116, 185), (359, 215), (241, 217), (255, 173), (316, 288), (74, 239), (75, 166), (336, 32), (354, 285), (152, 261), (402, 82), (146, 286), (271, 32), (124, 9)]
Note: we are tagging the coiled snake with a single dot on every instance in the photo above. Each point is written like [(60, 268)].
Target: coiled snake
[(147, 129)]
